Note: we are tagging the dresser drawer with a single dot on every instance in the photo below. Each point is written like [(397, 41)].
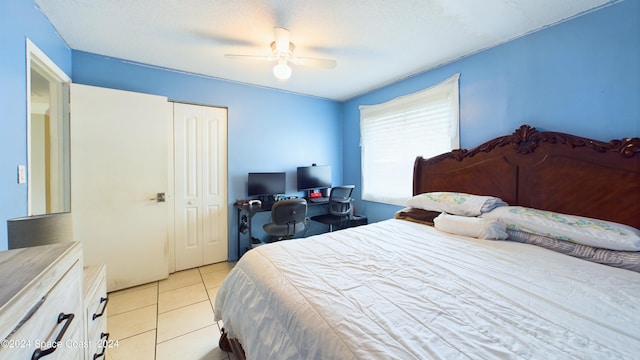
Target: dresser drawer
[(53, 326), (97, 314), (98, 346), (95, 302)]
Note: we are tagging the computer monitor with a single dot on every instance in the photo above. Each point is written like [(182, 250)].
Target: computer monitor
[(314, 177), (267, 183)]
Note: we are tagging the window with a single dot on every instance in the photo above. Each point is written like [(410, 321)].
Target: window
[(394, 133)]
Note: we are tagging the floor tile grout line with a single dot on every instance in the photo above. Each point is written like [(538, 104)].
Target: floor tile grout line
[(155, 338), (214, 310), (187, 333), (217, 323), (185, 305), (134, 335), (182, 307), (131, 310), (177, 288), (210, 301)]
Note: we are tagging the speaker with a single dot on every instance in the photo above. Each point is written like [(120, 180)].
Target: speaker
[(243, 227)]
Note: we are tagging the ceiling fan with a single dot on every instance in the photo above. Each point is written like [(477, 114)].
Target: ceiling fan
[(282, 52)]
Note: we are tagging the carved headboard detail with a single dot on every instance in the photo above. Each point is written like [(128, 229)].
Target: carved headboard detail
[(544, 170)]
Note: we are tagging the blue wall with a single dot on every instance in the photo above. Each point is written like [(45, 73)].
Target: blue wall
[(580, 77), (268, 130), (19, 19)]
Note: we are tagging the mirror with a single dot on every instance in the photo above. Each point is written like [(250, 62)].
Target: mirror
[(48, 174)]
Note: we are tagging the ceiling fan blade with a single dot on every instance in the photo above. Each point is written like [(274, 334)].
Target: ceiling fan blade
[(282, 39), (249, 57), (313, 62)]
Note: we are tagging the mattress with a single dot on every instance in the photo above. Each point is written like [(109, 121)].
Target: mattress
[(403, 290)]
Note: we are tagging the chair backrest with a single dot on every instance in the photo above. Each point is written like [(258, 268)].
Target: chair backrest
[(289, 211), (340, 200)]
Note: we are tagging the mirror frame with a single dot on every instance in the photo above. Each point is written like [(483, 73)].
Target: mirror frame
[(36, 56)]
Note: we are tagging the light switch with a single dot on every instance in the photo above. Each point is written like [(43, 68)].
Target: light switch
[(22, 174)]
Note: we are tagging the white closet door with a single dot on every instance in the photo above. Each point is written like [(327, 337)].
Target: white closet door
[(120, 152), (200, 148)]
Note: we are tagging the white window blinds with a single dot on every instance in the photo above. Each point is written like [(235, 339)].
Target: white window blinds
[(394, 133)]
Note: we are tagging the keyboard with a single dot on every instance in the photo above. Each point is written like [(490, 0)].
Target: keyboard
[(319, 200)]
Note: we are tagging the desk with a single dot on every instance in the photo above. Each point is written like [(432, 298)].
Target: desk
[(245, 216), (340, 222), (246, 212)]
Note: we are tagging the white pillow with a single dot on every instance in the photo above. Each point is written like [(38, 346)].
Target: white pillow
[(471, 226), (455, 203), (578, 229)]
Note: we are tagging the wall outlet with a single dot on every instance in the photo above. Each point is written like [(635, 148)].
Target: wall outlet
[(22, 174)]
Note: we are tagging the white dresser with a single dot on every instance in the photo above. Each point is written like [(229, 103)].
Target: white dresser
[(47, 310)]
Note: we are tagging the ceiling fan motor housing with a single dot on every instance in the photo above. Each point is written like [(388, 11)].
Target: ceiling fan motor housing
[(288, 55)]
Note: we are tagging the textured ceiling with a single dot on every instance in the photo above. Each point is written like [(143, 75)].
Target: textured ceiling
[(375, 42)]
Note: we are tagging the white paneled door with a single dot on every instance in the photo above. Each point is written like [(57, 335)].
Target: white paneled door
[(120, 161), (200, 151)]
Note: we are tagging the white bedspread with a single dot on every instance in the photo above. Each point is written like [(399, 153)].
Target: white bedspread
[(401, 290)]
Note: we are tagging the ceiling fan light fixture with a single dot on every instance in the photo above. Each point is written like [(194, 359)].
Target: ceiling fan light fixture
[(282, 71), (282, 52)]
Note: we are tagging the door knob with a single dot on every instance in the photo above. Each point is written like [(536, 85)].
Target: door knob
[(160, 197)]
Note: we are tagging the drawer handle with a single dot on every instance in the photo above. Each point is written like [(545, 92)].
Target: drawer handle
[(104, 342), (40, 353), (104, 300)]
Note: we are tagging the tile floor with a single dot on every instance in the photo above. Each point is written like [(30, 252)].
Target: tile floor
[(168, 319)]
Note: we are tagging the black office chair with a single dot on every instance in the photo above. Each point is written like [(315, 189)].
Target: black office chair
[(288, 217), (339, 207)]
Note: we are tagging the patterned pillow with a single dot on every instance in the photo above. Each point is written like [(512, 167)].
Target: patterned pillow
[(577, 229), (455, 203), (629, 260)]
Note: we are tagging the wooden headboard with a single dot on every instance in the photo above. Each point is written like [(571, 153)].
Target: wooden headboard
[(544, 170)]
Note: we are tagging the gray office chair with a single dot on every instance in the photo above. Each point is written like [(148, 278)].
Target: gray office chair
[(288, 217), (339, 207)]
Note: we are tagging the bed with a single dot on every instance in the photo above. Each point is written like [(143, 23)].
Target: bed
[(399, 289)]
